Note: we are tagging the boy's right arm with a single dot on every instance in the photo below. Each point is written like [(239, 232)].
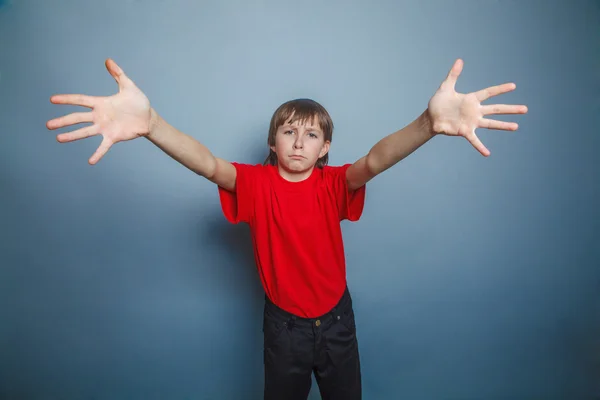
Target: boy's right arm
[(190, 153), (127, 115)]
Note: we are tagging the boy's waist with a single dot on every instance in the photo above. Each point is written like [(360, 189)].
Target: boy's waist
[(344, 303)]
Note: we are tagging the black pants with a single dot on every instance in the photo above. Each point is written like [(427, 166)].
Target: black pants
[(296, 347)]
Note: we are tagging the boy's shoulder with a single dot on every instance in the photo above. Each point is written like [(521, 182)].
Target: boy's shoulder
[(335, 170), (253, 171), (251, 167)]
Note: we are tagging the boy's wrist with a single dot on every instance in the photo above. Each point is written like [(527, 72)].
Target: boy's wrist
[(153, 124), (426, 123)]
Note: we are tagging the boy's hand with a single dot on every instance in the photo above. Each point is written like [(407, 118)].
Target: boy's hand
[(123, 116), (458, 114)]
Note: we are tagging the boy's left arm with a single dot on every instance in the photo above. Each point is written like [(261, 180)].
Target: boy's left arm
[(449, 113)]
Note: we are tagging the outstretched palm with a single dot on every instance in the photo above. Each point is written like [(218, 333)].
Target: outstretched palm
[(123, 116), (458, 114)]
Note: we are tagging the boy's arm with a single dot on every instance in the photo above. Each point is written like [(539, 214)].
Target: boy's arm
[(127, 115), (388, 151), (449, 113), (190, 153)]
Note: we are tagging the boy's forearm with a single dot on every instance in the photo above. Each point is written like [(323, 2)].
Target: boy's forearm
[(181, 147), (396, 146)]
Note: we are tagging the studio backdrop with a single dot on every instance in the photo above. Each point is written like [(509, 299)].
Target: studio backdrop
[(472, 277)]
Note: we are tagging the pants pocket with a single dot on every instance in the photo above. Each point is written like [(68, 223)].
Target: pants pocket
[(347, 319), (272, 329)]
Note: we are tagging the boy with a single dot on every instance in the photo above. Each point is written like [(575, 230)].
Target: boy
[(293, 204)]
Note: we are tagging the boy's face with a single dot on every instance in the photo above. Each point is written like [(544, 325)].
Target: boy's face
[(299, 145)]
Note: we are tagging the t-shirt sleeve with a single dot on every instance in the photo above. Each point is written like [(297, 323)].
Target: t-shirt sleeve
[(350, 202), (238, 206)]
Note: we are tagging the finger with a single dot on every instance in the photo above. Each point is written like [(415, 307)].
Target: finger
[(75, 100), (79, 134), (101, 151), (474, 140), (71, 119), (503, 109), (117, 73), (500, 125), (491, 91), (453, 74)]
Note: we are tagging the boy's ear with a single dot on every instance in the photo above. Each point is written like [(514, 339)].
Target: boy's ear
[(271, 147), (325, 148)]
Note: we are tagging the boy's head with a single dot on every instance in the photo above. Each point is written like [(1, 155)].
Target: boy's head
[(299, 136)]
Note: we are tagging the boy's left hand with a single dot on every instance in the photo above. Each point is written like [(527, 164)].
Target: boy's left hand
[(458, 114)]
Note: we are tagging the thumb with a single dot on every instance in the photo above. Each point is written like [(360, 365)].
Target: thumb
[(453, 74), (117, 73)]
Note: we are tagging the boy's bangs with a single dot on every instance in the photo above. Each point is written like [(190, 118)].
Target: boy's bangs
[(302, 113)]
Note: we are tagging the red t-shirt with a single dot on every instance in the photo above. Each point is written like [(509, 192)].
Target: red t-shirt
[(296, 233)]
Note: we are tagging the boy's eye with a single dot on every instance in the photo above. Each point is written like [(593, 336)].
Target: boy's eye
[(314, 135), (289, 131)]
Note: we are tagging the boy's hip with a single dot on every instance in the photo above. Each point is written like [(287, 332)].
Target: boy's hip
[(300, 334)]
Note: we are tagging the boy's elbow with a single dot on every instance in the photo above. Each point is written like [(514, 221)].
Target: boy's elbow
[(373, 164), (221, 172), (208, 168)]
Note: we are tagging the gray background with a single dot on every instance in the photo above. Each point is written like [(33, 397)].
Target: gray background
[(473, 277)]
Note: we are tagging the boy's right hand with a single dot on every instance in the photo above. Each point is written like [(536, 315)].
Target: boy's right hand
[(123, 116)]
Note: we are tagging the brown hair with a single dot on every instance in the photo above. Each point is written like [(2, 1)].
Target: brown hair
[(302, 110)]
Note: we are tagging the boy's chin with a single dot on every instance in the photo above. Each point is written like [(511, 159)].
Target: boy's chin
[(298, 166)]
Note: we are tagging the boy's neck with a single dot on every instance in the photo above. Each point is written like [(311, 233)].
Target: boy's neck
[(294, 176)]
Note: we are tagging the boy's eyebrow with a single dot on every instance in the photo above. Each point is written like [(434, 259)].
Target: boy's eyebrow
[(314, 128)]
